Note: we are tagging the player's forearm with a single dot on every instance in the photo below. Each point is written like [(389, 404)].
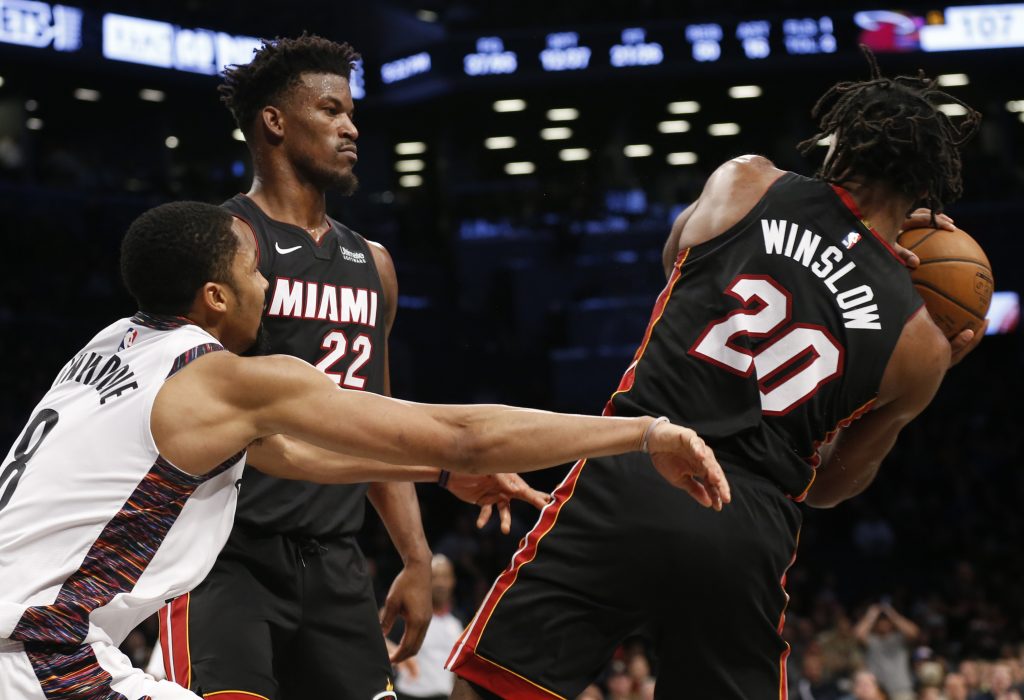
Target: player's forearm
[(399, 510), (492, 439), (840, 480), (297, 400), (289, 458)]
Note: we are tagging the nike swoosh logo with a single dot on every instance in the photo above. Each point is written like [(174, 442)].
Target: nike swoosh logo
[(285, 251)]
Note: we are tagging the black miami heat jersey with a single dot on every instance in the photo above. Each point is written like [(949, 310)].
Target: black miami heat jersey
[(325, 304), (771, 336)]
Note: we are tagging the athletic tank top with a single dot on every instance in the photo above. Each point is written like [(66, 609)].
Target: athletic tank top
[(97, 530), (325, 304), (771, 336)]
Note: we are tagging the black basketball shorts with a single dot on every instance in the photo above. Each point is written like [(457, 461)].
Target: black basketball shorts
[(620, 551), (279, 618)]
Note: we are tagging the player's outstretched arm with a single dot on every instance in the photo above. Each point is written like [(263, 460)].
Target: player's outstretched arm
[(221, 403), (851, 462)]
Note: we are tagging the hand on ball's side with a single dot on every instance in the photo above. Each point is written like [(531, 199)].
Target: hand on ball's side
[(965, 341), (685, 461), (920, 218)]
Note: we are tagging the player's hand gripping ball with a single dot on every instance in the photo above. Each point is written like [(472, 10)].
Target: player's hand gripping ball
[(954, 277)]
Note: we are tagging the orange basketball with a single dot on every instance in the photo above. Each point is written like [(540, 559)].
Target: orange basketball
[(954, 278)]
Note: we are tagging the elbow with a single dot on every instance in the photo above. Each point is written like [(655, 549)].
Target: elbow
[(463, 451)]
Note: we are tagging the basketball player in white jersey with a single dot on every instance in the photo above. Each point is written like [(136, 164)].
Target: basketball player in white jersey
[(121, 489)]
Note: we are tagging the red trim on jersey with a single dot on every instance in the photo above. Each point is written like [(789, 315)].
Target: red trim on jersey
[(783, 678), (847, 199), (500, 681), (465, 647), (815, 460), (317, 242), (252, 230), (174, 641), (626, 383)]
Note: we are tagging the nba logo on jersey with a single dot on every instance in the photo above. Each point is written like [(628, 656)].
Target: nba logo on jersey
[(128, 340), (851, 239)]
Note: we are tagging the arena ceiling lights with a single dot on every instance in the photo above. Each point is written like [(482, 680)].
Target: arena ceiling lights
[(87, 95), (556, 133), (953, 80), (410, 166), (569, 154), (745, 92), (150, 95), (563, 114), (681, 158), (520, 168), (953, 110), (674, 126), (638, 150), (509, 105), (684, 107), (497, 143), (724, 129), (410, 148), (411, 180)]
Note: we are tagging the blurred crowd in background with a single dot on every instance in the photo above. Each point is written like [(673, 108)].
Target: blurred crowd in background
[(535, 291)]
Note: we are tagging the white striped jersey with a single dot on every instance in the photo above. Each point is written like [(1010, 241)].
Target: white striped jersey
[(97, 530)]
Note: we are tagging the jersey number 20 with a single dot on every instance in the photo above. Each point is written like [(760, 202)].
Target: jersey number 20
[(794, 361)]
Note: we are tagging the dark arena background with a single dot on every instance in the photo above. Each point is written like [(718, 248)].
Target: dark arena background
[(523, 163)]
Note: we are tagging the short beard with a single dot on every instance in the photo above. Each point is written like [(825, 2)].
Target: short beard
[(345, 184)]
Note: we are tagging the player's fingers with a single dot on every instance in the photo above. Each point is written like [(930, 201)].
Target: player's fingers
[(485, 515), (537, 499), (505, 515), (715, 478), (403, 651), (696, 490), (908, 257), (387, 615)]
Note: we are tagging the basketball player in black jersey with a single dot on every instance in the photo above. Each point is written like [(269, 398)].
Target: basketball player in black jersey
[(789, 335), (311, 628)]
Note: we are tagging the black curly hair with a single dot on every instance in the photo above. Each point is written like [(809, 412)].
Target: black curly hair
[(172, 250), (892, 130), (278, 65)]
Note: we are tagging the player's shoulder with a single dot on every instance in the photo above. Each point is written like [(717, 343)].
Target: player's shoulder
[(744, 171), (233, 377)]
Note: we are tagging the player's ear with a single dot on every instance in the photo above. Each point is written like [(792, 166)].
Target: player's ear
[(272, 120), (213, 296)]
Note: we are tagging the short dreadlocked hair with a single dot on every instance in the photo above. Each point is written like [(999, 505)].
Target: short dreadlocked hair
[(892, 130), (278, 65)]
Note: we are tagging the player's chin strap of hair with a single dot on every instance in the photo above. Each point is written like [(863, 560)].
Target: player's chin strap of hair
[(645, 442)]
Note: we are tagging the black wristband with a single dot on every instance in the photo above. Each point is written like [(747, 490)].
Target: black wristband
[(442, 479)]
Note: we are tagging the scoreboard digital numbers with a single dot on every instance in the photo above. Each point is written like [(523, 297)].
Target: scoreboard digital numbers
[(975, 27), (559, 53)]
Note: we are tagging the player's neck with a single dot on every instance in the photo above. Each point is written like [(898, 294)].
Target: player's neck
[(880, 208), (285, 198)]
